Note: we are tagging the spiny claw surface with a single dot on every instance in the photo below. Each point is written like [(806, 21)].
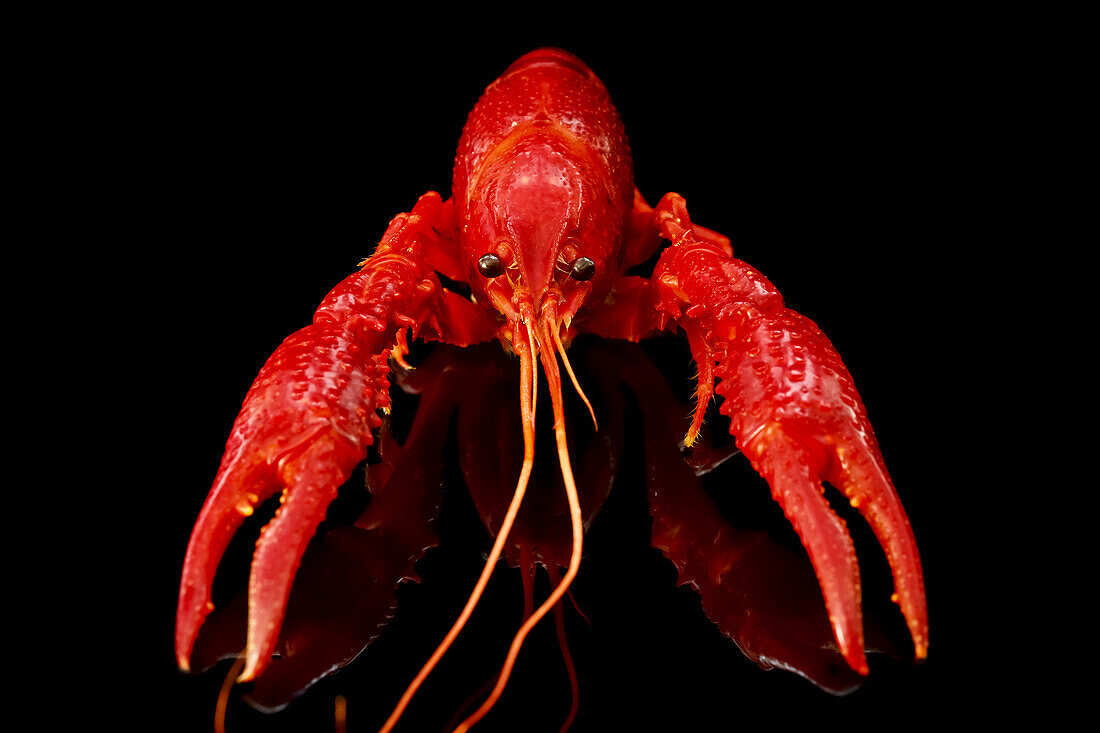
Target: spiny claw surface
[(311, 479), (794, 474), (304, 425), (796, 414)]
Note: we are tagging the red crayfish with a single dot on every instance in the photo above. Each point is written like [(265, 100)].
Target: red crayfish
[(532, 249)]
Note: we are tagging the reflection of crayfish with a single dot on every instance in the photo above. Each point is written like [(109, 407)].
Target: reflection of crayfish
[(543, 223)]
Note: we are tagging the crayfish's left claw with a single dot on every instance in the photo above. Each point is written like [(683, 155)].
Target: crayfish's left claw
[(799, 433), (860, 474), (795, 413), (794, 473)]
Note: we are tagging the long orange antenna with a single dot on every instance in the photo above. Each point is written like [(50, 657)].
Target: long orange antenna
[(528, 395), (550, 365), (567, 658)]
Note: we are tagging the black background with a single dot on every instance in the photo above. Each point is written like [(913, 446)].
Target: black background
[(233, 170)]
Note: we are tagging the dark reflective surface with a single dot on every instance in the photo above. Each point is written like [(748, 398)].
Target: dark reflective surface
[(256, 173)]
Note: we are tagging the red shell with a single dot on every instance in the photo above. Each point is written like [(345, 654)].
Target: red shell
[(544, 163)]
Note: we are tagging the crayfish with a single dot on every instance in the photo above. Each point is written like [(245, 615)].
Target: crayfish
[(534, 249)]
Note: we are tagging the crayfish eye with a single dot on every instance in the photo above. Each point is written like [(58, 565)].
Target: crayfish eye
[(583, 269), (490, 265)]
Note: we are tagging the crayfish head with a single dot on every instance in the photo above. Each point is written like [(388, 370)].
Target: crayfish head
[(533, 237)]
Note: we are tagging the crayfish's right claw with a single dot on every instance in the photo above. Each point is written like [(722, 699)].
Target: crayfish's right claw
[(307, 420), (311, 480), (296, 435)]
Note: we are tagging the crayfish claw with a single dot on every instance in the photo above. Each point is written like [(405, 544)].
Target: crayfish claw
[(292, 435), (860, 474), (795, 459), (795, 413), (793, 470), (243, 482), (311, 479)]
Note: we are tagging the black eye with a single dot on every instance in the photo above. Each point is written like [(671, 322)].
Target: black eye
[(583, 269), (490, 266)]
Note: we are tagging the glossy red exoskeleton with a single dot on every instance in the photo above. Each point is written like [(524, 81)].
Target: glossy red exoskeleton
[(542, 225)]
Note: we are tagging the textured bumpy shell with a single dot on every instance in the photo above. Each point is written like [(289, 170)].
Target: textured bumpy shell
[(543, 174), (550, 117)]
